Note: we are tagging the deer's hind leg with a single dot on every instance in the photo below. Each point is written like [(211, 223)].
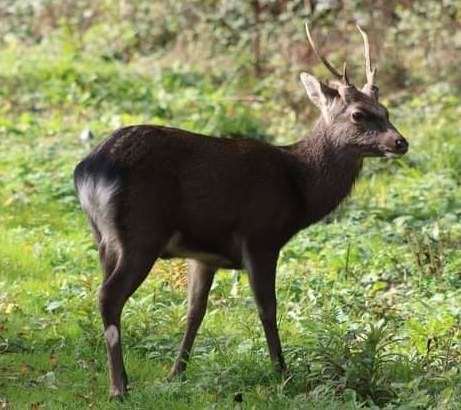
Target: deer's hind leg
[(108, 256), (108, 251), (200, 279), (132, 267)]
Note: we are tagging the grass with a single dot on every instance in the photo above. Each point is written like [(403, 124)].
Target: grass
[(370, 299)]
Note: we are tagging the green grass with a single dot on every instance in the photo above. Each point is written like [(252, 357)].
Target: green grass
[(370, 299)]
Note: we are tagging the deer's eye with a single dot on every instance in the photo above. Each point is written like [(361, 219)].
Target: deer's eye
[(357, 116)]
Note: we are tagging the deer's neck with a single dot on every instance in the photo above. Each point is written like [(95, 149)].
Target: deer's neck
[(326, 174)]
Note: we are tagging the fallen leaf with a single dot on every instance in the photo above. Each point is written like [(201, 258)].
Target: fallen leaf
[(53, 361), (25, 369)]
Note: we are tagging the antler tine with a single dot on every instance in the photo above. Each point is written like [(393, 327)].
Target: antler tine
[(323, 59), (345, 77), (370, 73)]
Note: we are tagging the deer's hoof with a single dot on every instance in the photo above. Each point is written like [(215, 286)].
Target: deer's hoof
[(177, 373), (287, 374), (117, 394)]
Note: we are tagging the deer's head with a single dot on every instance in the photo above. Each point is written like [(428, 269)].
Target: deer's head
[(353, 118)]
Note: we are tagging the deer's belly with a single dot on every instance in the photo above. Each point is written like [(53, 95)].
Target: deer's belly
[(179, 247)]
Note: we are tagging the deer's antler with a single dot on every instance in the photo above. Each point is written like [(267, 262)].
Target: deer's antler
[(342, 77), (370, 87)]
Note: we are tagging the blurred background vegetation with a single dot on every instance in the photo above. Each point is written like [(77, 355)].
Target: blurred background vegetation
[(246, 55), (370, 299)]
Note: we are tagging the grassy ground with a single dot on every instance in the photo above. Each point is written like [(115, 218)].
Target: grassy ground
[(370, 300)]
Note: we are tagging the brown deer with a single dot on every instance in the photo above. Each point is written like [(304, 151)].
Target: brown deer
[(156, 192)]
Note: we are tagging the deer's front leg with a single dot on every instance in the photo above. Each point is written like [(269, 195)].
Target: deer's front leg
[(200, 278), (261, 265)]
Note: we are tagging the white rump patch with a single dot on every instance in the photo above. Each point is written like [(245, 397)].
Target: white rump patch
[(95, 196), (112, 336)]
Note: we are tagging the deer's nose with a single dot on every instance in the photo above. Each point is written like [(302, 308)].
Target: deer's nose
[(401, 145)]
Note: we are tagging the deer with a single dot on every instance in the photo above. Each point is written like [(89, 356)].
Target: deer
[(154, 192)]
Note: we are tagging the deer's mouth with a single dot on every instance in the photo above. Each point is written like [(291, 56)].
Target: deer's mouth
[(384, 151), (392, 154)]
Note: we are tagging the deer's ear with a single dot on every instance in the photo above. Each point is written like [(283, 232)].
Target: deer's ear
[(320, 94)]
